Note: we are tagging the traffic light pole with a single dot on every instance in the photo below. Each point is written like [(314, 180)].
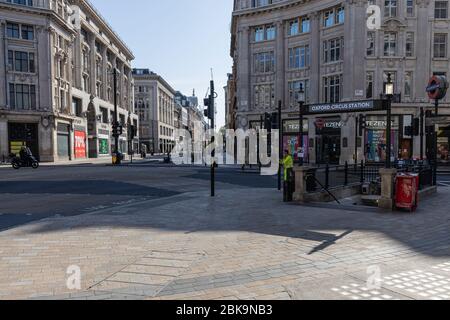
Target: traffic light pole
[(435, 157), (356, 140), (280, 123), (115, 125), (213, 109), (422, 133)]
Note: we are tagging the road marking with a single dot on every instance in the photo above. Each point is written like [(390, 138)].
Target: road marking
[(444, 183)]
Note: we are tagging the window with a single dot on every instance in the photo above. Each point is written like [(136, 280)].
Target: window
[(299, 57), (306, 25), (440, 45), (104, 113), (77, 107), (259, 34), (410, 8), (265, 33), (293, 27), (22, 2), (390, 44), (340, 15), (390, 8), (332, 89), (270, 33), (408, 84), (12, 30), (300, 25), (27, 32), (333, 50), (21, 61), (370, 44), (441, 9), (22, 96), (369, 84), (328, 20), (294, 89), (264, 62), (264, 96), (409, 44)]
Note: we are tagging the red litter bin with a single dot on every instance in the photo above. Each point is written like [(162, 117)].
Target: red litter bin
[(407, 192)]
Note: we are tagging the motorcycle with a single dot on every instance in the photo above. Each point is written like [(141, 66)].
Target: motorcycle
[(18, 163)]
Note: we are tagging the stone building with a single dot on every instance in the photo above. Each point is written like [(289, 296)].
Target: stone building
[(155, 105), (326, 47), (57, 58)]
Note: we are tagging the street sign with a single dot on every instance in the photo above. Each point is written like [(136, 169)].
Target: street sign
[(352, 106), (437, 87)]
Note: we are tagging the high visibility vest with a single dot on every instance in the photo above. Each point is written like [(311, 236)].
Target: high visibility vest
[(288, 163)]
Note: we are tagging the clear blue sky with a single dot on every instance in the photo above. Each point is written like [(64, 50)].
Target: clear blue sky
[(178, 39)]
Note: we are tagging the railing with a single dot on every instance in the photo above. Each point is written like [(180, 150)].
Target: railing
[(330, 177)]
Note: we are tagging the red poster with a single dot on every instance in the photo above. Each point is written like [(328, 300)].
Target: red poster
[(80, 144)]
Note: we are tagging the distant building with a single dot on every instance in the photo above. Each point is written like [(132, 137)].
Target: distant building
[(56, 62), (155, 105)]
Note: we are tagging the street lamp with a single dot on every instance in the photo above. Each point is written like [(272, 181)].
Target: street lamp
[(301, 102), (389, 91)]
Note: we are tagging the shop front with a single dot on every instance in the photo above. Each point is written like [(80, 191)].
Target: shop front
[(63, 141), (23, 134), (328, 140), (291, 138), (375, 139)]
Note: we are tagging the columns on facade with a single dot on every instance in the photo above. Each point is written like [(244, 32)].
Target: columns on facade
[(423, 53), (315, 58), (105, 74), (3, 84), (280, 75), (243, 70), (93, 58)]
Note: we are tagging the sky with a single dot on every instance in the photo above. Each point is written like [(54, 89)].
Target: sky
[(181, 40)]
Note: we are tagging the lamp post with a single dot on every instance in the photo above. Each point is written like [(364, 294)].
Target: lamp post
[(389, 91), (301, 102)]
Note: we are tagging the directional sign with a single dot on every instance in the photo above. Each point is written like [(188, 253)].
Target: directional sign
[(352, 106)]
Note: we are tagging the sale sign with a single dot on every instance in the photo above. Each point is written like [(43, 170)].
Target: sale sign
[(80, 144)]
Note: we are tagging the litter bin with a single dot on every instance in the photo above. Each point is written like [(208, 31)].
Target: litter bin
[(311, 185), (407, 191)]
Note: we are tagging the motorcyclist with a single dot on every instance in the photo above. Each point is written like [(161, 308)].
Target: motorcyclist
[(25, 155)]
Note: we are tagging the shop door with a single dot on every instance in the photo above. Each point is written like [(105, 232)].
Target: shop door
[(23, 134), (63, 141)]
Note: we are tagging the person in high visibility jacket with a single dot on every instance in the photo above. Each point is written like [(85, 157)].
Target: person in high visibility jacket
[(288, 164)]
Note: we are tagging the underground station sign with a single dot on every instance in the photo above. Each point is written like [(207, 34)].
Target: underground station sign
[(352, 106)]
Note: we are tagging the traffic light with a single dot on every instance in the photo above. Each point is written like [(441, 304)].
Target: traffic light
[(274, 123), (117, 130), (362, 124), (209, 110), (267, 121)]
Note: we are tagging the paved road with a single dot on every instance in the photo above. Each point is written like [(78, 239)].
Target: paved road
[(28, 195)]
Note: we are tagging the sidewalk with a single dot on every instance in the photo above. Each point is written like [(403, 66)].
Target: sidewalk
[(194, 247)]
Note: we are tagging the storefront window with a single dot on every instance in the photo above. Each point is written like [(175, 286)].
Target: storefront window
[(375, 140), (291, 138), (443, 144)]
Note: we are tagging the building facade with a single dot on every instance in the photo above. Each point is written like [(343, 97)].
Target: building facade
[(327, 48), (155, 105), (57, 58)]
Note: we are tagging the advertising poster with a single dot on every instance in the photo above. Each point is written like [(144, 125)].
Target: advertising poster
[(80, 144), (103, 146)]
